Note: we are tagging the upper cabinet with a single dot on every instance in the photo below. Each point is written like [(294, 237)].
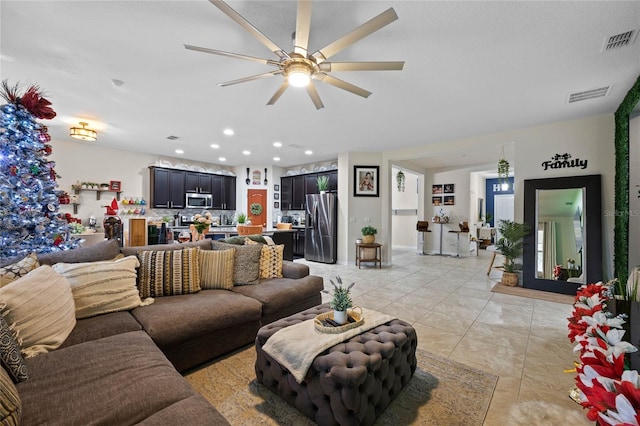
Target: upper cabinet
[(169, 186), (294, 188)]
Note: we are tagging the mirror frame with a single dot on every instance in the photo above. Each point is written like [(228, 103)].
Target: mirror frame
[(593, 239)]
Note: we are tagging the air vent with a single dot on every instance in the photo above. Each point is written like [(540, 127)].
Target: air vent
[(619, 40), (296, 146), (588, 94), (172, 138)]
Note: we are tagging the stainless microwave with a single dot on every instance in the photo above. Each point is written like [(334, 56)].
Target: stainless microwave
[(198, 201)]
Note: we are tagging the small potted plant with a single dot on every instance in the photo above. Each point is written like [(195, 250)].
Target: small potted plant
[(323, 184), (369, 234), (242, 218), (510, 246), (340, 301)]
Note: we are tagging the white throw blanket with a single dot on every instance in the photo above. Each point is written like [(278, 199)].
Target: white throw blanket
[(295, 347)]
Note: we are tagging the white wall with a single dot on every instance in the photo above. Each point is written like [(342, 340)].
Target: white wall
[(403, 220)]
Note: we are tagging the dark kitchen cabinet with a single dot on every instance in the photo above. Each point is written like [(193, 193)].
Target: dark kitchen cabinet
[(298, 243), (294, 188), (200, 183), (333, 180), (298, 198), (286, 193), (311, 184), (167, 188), (224, 192)]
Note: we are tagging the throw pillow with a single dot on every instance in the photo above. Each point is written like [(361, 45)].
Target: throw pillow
[(271, 261), (217, 269), (104, 250), (247, 262), (13, 271), (249, 241), (102, 287), (39, 309), (168, 272), (10, 403), (10, 354)]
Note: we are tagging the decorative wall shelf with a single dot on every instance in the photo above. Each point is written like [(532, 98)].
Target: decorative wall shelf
[(98, 191)]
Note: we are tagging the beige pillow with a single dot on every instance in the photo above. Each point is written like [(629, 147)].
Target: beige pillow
[(10, 403), (217, 269), (102, 287), (168, 272), (39, 309), (13, 271), (247, 262), (271, 261)]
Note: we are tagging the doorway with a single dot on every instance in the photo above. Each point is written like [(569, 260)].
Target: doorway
[(258, 196)]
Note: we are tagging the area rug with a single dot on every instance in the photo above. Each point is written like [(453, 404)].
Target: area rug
[(441, 392), (533, 294)]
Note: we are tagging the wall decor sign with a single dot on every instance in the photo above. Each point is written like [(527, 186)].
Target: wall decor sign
[(564, 161), (436, 189), (366, 182)]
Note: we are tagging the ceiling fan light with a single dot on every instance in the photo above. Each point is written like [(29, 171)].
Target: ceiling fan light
[(83, 133), (298, 75)]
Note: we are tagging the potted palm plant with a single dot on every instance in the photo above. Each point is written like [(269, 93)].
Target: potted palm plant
[(369, 234), (510, 245)]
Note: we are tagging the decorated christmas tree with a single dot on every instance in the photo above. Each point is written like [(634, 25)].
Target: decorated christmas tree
[(29, 218)]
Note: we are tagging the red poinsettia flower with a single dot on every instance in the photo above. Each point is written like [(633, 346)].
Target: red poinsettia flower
[(33, 101)]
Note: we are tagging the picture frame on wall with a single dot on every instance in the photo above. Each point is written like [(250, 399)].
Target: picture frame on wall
[(115, 185), (436, 189), (449, 200), (449, 188), (276, 187), (436, 201), (366, 182), (276, 205), (276, 196)]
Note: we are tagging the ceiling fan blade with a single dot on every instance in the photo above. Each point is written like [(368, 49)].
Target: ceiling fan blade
[(278, 93), (313, 93), (303, 25), (326, 78), (361, 66), (231, 55), (227, 10), (251, 78), (369, 27)]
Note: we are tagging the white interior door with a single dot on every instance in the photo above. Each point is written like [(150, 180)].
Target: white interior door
[(502, 209)]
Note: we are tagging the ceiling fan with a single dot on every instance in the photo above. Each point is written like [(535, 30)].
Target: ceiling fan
[(300, 67)]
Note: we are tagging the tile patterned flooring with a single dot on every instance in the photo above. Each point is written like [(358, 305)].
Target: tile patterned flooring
[(450, 304)]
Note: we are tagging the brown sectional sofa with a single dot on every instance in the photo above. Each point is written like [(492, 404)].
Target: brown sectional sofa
[(124, 367)]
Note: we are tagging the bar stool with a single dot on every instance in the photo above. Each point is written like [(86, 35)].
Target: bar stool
[(422, 226), (464, 229)]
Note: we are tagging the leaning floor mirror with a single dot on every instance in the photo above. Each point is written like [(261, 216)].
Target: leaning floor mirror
[(564, 248)]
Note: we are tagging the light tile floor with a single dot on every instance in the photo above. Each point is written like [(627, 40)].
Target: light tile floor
[(450, 304)]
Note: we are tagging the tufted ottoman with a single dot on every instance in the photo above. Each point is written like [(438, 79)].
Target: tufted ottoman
[(350, 383)]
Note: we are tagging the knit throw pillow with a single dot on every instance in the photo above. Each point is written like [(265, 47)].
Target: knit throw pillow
[(10, 354), (39, 309), (217, 269), (271, 261), (168, 273), (15, 270), (102, 287), (247, 262)]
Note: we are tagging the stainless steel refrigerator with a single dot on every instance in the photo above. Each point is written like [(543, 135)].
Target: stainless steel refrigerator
[(321, 228)]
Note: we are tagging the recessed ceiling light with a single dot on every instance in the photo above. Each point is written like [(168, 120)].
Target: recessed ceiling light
[(228, 132), (308, 152), (277, 144), (246, 152), (179, 151), (214, 146), (276, 158), (222, 159)]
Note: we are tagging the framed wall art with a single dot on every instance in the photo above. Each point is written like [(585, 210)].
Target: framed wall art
[(449, 200), (115, 185), (436, 189), (436, 201), (276, 196), (276, 205), (366, 182), (449, 188), (276, 187)]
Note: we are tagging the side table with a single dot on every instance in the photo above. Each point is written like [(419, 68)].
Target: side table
[(360, 250)]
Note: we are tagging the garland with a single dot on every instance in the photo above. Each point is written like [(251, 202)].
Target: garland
[(621, 228)]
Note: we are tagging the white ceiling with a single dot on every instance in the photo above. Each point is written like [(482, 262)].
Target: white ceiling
[(472, 68)]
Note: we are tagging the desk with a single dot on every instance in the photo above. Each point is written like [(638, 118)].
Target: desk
[(378, 254)]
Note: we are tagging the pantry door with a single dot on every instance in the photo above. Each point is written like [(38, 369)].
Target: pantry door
[(257, 196)]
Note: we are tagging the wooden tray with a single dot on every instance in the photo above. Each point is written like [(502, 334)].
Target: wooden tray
[(354, 313)]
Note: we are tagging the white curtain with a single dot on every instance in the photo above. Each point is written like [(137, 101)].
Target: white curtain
[(549, 232)]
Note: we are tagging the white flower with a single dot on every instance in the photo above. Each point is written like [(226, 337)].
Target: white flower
[(600, 318), (589, 302), (623, 414)]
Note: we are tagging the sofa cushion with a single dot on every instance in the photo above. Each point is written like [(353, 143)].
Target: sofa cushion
[(104, 250), (247, 262), (10, 355), (39, 309), (217, 269), (277, 293), (177, 319), (10, 403), (17, 268), (168, 272), (117, 380), (106, 325), (271, 261), (194, 410), (132, 251), (102, 287), (294, 270)]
